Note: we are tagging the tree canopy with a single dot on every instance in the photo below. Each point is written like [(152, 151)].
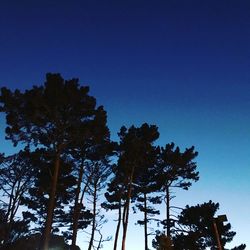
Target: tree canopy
[(67, 175)]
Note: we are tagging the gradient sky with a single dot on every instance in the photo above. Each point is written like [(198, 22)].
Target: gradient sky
[(182, 65)]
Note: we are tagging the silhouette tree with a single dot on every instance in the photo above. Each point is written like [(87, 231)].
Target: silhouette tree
[(48, 116), (91, 136), (163, 242), (12, 231), (67, 154), (99, 171), (146, 185), (135, 145), (196, 231), (37, 197), (16, 177), (175, 170), (115, 197)]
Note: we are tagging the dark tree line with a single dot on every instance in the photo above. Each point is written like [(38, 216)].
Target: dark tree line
[(69, 173)]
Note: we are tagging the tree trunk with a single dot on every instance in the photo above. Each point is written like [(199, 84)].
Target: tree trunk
[(125, 224), (94, 218), (14, 203), (126, 212), (145, 222), (77, 208), (10, 201), (9, 218), (118, 226), (168, 211), (51, 205), (100, 242)]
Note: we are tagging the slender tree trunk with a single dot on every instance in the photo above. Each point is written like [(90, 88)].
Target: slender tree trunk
[(13, 210), (100, 242), (15, 202), (10, 202), (51, 205), (168, 211), (9, 213), (125, 224), (118, 226), (77, 207), (145, 222), (94, 217), (126, 212)]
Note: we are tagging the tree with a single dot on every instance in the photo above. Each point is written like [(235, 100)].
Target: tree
[(146, 185), (48, 116), (96, 133), (196, 229), (115, 197), (37, 196), (175, 170), (12, 231), (99, 170), (163, 242), (135, 145), (16, 177)]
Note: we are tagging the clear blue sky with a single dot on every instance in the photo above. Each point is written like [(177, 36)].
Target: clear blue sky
[(182, 65)]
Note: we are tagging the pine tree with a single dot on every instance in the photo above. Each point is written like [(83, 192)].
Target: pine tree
[(37, 197), (115, 197), (135, 145), (175, 170), (145, 190), (16, 177), (99, 171), (196, 230), (95, 134), (48, 116)]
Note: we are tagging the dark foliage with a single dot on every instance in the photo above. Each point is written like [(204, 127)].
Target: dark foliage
[(67, 158), (196, 230)]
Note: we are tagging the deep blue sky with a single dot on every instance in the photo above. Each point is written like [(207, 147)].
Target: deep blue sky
[(182, 65)]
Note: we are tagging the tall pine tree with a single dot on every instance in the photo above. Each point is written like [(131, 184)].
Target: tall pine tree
[(175, 170), (48, 116)]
